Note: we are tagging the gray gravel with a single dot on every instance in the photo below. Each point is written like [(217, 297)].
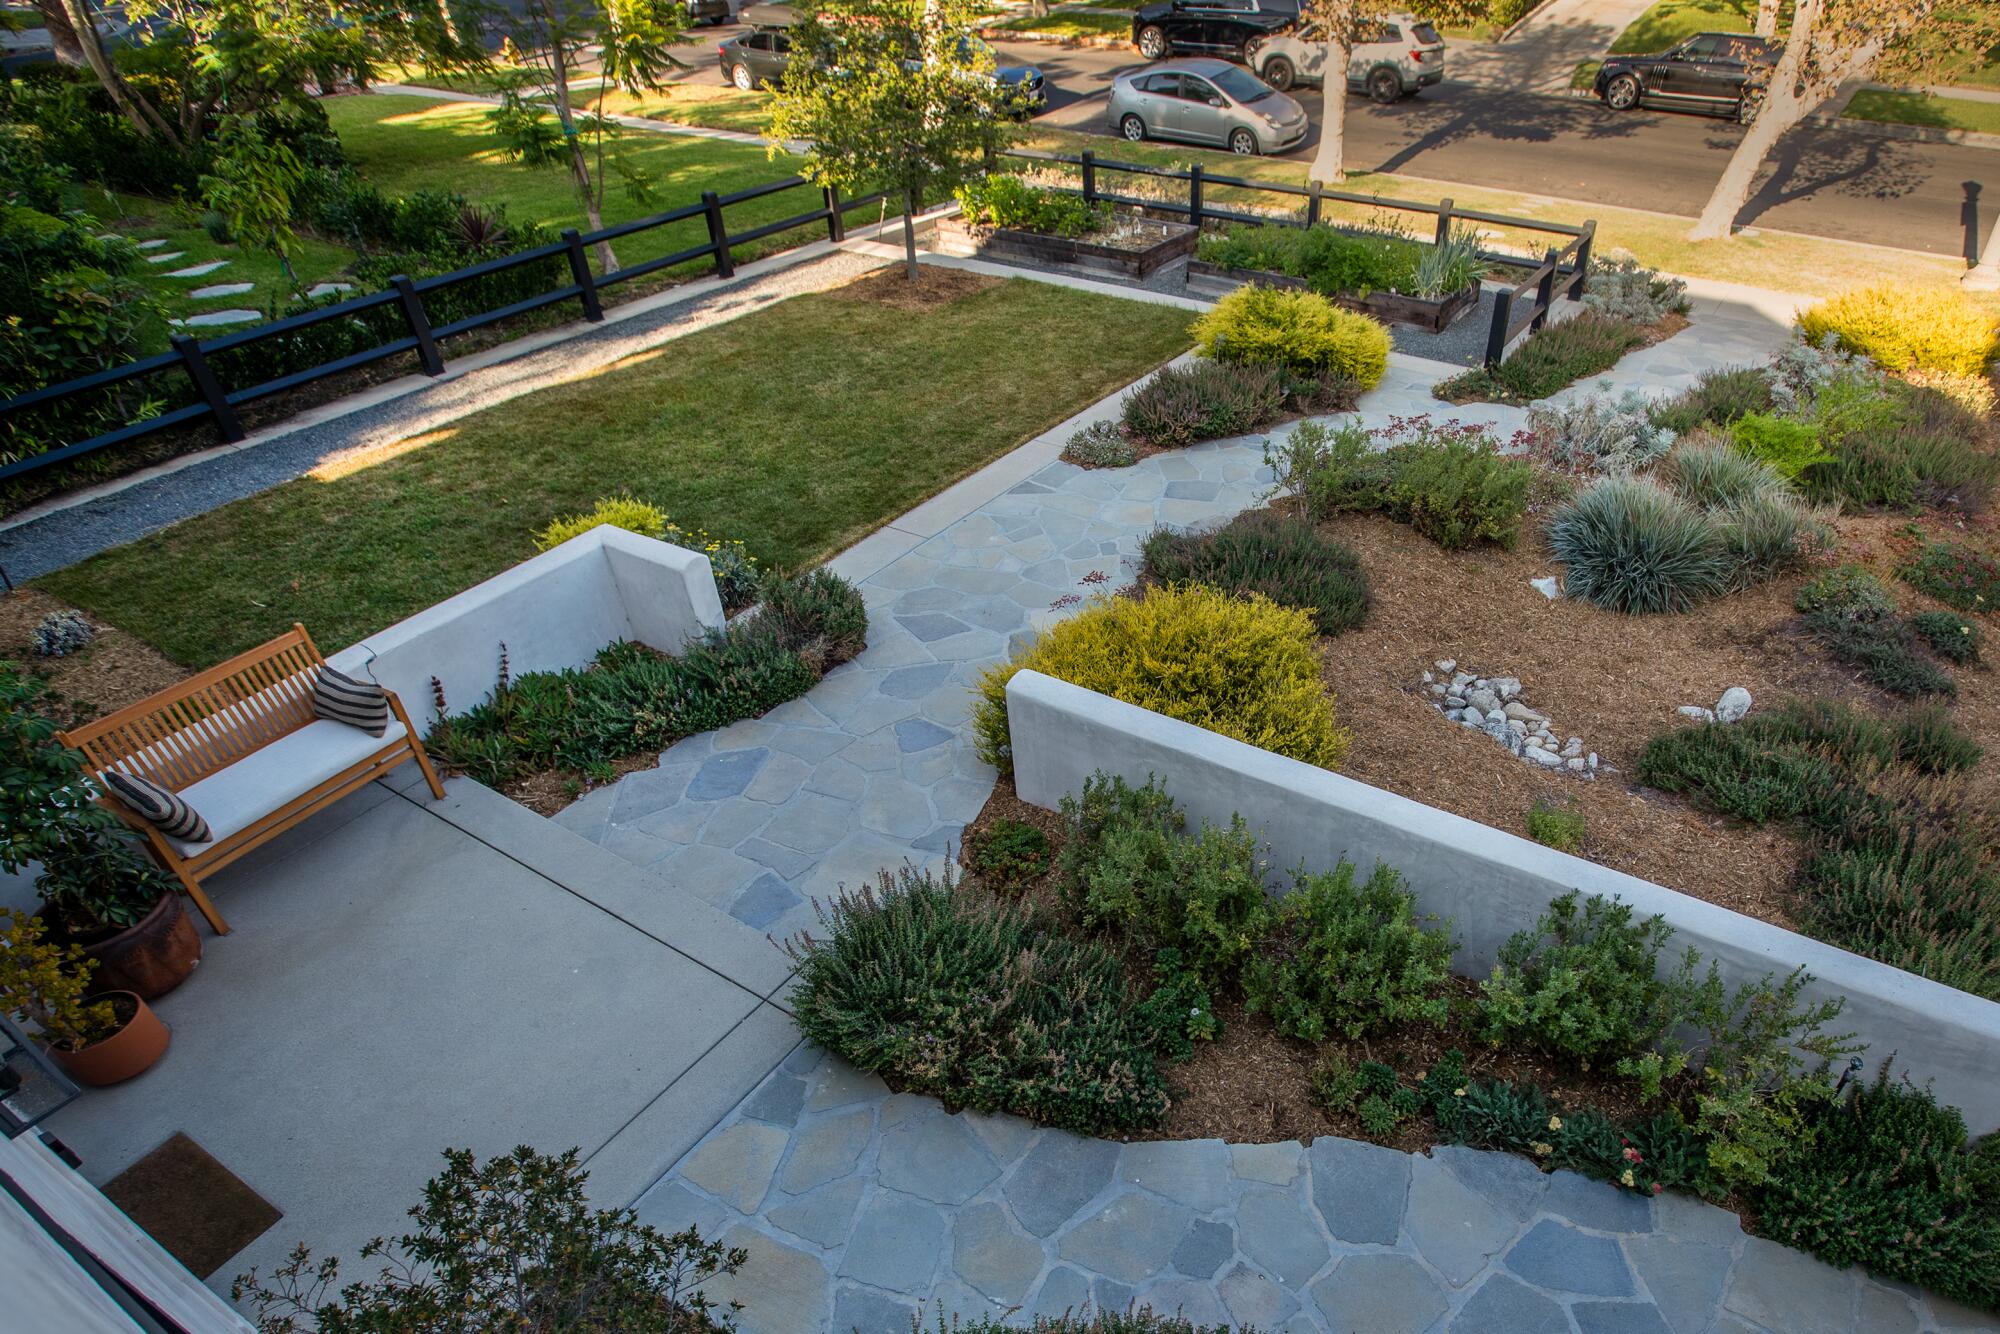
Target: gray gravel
[(69, 535)]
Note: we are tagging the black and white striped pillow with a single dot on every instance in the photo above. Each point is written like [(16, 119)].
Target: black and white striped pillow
[(340, 698), (160, 808)]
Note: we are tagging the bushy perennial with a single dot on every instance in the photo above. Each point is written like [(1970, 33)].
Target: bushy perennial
[(1599, 433), (1302, 331), (1909, 326)]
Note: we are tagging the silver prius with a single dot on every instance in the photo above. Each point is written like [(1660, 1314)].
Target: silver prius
[(1206, 102)]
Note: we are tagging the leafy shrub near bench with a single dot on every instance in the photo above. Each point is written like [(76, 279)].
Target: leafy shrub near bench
[(633, 699), (1244, 667), (735, 569), (1302, 331), (1905, 326), (1547, 360), (1448, 481), (1284, 559), (984, 1006)]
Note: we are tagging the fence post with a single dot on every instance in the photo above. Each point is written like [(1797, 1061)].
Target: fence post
[(1444, 221), (210, 389), (1194, 194), (718, 235), (1544, 290), (579, 272), (1496, 334), (420, 325), (1582, 283), (1313, 189), (836, 225), (1088, 161)]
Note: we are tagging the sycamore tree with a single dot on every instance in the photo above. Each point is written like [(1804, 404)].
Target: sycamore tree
[(591, 47), (194, 63), (894, 95), (1831, 42), (1340, 24)]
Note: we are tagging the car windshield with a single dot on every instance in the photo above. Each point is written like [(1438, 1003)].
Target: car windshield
[(1241, 85)]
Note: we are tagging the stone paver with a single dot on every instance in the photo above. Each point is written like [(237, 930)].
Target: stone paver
[(1045, 1221)]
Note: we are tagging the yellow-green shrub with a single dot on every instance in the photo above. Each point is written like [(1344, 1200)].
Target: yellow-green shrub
[(1301, 330), (634, 516), (1244, 667), (1906, 326)]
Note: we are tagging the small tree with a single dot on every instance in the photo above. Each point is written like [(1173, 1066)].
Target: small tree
[(538, 120), (897, 95), (250, 182), (509, 1244), (1830, 43), (1340, 24)]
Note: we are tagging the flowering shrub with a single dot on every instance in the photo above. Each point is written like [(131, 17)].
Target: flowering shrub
[(1955, 575), (1904, 326), (1448, 480)]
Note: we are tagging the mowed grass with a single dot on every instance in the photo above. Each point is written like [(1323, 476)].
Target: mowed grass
[(797, 429), (405, 144), (1670, 21), (1070, 24), (1952, 113)]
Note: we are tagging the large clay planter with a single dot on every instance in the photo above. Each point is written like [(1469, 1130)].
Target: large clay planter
[(128, 1052), (152, 956)]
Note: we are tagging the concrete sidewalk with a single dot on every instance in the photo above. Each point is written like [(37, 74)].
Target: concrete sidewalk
[(407, 975)]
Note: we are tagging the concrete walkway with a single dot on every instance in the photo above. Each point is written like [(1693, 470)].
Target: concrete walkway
[(859, 1207)]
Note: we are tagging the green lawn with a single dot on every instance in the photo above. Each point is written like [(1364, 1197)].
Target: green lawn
[(798, 429), (1956, 113), (1081, 23), (1669, 21), (406, 143)]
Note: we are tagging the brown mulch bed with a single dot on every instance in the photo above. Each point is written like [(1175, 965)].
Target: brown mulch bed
[(116, 668)]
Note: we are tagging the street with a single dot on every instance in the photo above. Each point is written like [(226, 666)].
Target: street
[(1823, 181)]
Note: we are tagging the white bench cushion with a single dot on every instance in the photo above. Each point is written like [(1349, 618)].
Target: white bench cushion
[(234, 798)]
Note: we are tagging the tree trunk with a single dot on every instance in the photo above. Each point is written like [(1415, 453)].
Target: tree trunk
[(134, 108), (579, 165), (1785, 105), (62, 33), (1328, 167), (1985, 275), (910, 235), (1767, 18)]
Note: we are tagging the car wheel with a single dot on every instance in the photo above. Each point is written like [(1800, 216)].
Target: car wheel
[(1385, 85), (740, 76), (1243, 143), (1622, 93), (1152, 42), (1278, 72), (1132, 128), (1251, 46)]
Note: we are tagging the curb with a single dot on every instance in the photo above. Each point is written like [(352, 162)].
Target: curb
[(1920, 134)]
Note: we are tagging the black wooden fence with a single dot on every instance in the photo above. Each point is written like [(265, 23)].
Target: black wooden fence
[(213, 404), (1511, 313)]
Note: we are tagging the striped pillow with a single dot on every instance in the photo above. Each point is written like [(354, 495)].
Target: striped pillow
[(162, 809), (340, 698)]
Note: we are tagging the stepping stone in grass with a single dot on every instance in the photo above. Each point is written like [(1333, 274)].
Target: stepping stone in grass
[(209, 318), (214, 290), (165, 259), (151, 245), (318, 290), (197, 270)]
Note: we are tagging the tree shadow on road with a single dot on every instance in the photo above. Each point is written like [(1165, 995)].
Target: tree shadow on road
[(1514, 118), (1806, 164)]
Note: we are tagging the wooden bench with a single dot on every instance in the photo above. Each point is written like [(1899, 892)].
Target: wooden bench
[(241, 744)]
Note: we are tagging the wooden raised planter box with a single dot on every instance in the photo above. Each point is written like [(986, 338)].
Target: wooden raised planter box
[(956, 236), (1432, 313)]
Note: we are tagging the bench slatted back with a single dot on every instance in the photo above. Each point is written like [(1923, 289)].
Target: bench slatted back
[(183, 734)]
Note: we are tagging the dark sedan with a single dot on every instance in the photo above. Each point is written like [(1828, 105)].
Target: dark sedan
[(1232, 29), (1716, 73)]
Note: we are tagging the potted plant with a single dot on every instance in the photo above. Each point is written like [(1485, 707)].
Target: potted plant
[(98, 1039), (99, 889)]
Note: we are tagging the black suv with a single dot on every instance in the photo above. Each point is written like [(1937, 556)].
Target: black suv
[(1719, 73), (1228, 28)]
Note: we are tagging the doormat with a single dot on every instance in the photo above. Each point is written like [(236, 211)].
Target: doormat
[(196, 1208)]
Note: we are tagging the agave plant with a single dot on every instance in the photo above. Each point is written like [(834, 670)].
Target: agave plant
[(1445, 268)]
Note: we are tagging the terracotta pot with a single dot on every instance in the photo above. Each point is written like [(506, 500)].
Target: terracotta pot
[(152, 956), (128, 1052)]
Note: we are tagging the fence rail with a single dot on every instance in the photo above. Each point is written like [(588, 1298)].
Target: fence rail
[(1571, 262), (218, 406)]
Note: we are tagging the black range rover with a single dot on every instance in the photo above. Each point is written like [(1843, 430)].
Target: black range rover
[(1226, 28), (1713, 72)]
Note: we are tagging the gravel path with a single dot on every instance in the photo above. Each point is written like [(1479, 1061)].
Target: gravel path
[(66, 536)]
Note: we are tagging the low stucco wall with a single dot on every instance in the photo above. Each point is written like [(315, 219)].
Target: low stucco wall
[(1490, 883), (552, 612)]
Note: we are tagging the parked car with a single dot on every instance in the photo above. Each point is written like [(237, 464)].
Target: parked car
[(702, 13), (1718, 73), (1392, 57), (1206, 102), (1232, 29), (756, 58)]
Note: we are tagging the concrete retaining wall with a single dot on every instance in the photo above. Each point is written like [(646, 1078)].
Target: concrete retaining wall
[(1490, 883), (552, 612)]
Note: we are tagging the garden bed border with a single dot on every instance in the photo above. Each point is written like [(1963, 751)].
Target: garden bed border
[(970, 240), (1489, 882)]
